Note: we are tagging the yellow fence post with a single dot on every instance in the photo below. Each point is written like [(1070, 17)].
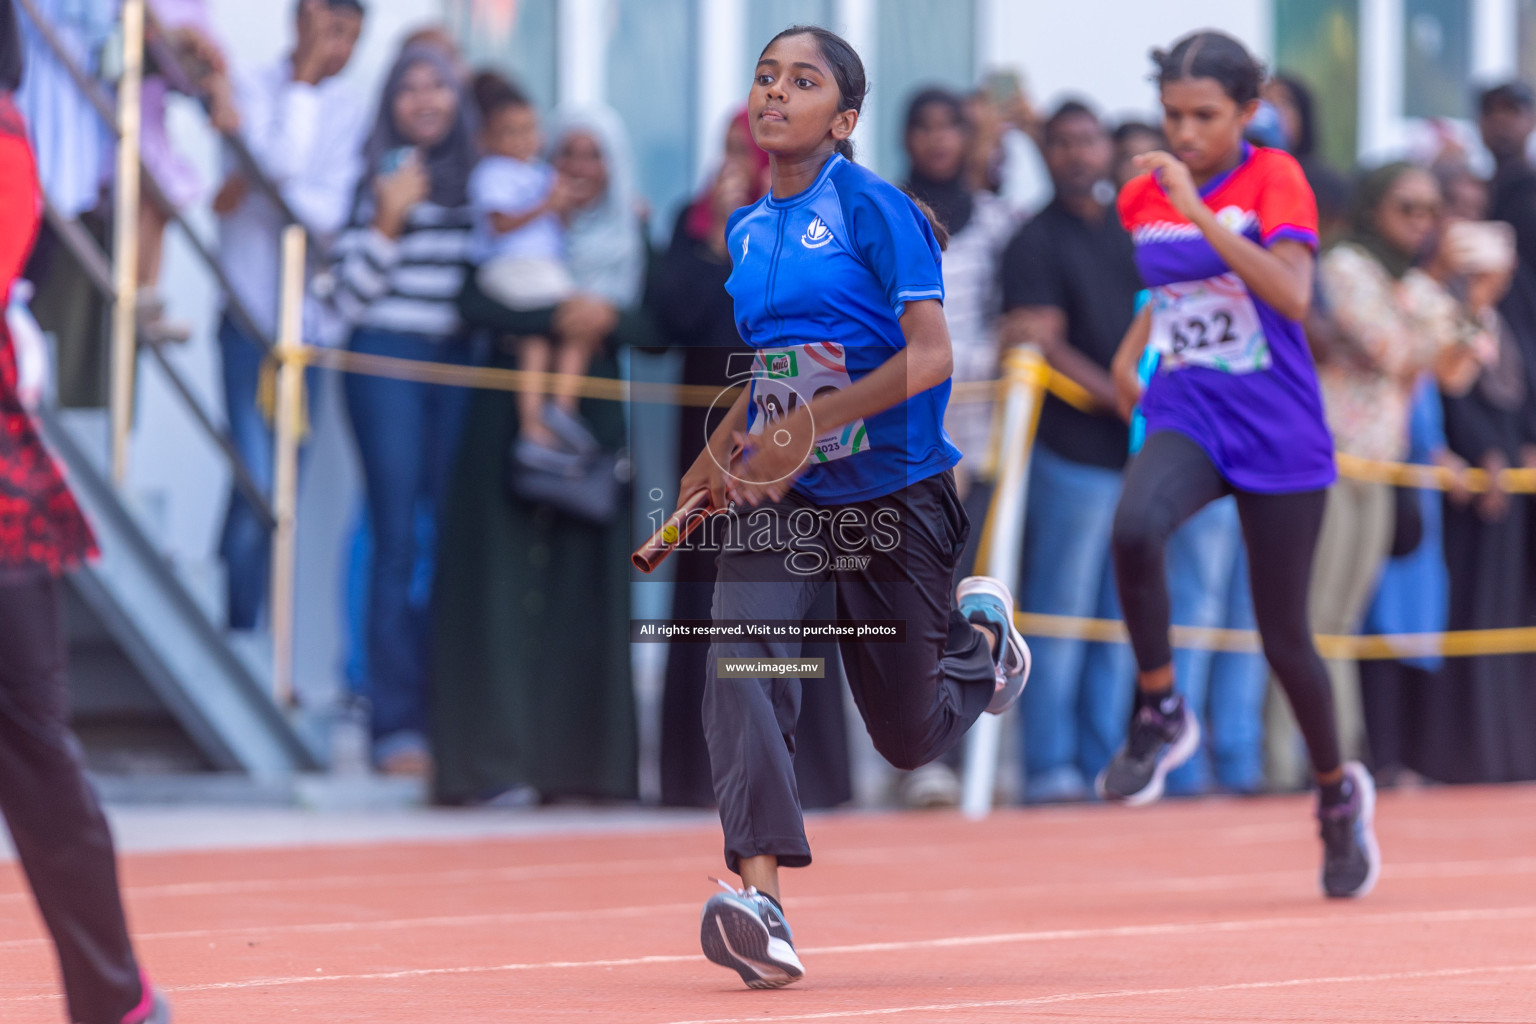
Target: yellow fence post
[(288, 414), (1001, 545), (125, 233)]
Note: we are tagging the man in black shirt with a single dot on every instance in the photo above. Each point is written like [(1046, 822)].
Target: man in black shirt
[(1506, 118), (1069, 283)]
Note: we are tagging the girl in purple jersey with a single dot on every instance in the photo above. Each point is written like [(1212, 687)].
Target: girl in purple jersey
[(1225, 238)]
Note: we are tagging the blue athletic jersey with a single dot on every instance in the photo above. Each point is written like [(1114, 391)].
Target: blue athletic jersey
[(820, 280)]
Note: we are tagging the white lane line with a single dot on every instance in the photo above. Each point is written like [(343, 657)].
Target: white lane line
[(1333, 920), (1192, 883), (1131, 993), (1258, 833), (260, 931), (1251, 834), (411, 879), (511, 873)]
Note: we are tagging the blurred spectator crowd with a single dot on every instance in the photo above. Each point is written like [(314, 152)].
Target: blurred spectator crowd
[(490, 595)]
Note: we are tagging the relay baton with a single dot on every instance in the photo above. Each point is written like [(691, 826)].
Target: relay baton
[(672, 533)]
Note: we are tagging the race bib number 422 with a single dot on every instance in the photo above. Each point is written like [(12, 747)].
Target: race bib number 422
[(1211, 323), (786, 378)]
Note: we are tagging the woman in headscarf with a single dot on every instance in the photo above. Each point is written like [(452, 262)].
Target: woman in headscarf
[(687, 299), (400, 265), (1474, 719), (532, 675), (1293, 102), (1392, 322), (55, 822), (980, 223)]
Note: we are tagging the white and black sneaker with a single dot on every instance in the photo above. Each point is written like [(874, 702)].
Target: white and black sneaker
[(1163, 736), (1351, 858), (746, 931), (988, 602)]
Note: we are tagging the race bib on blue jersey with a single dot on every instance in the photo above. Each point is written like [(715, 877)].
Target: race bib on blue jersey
[(784, 379), (1211, 323)]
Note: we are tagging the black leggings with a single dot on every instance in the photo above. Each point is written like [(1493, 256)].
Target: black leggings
[(1170, 481), (56, 825)]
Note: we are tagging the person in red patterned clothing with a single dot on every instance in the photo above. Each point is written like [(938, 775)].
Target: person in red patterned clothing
[(56, 824)]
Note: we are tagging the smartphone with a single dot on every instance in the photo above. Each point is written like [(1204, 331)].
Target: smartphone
[(1003, 86), (395, 159), (1482, 246)]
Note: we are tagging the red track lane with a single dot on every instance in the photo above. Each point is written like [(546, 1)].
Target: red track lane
[(1202, 911)]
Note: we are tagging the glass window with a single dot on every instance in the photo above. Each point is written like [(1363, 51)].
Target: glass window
[(921, 43), (651, 83), (1437, 58), (767, 18), (517, 37), (1318, 41), (1527, 37)]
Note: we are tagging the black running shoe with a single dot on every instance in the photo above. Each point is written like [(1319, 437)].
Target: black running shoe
[(1158, 743), (742, 929), (1351, 858)]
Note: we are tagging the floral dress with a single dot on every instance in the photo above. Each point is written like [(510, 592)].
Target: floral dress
[(41, 526), (1391, 333)]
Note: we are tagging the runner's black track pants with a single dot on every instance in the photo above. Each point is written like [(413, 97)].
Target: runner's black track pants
[(55, 822), (917, 697)]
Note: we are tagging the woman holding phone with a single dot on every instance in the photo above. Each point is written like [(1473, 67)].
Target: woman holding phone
[(400, 265), (1391, 320)]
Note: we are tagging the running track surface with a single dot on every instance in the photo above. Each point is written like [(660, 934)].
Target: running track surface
[(1203, 911)]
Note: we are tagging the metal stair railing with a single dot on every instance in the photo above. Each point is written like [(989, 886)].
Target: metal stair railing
[(116, 279), (221, 704)]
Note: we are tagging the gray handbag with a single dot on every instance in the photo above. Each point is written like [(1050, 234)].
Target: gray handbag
[(582, 479)]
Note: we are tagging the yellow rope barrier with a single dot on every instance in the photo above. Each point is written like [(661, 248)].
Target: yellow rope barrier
[(1513, 481), (1407, 645), (1459, 644), (498, 379)]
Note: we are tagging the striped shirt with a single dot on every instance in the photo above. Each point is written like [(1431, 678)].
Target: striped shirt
[(972, 302), (408, 284)]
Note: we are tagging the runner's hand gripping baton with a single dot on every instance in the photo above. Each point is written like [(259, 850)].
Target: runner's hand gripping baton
[(673, 532), (681, 523)]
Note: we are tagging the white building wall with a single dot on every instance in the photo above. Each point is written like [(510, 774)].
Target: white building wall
[(1099, 48)]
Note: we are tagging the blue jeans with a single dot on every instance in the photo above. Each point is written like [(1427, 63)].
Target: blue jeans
[(1208, 587), (356, 567), (245, 545), (407, 436), (1236, 703), (1077, 703)]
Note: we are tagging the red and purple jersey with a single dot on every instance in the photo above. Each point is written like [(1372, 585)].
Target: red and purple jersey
[(1235, 376)]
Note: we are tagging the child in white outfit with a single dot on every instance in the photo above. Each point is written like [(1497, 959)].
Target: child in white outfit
[(520, 243)]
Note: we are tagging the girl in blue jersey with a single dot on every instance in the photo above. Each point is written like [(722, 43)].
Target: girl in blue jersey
[(844, 478)]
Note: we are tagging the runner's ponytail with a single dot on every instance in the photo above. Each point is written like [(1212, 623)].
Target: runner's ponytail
[(940, 232)]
